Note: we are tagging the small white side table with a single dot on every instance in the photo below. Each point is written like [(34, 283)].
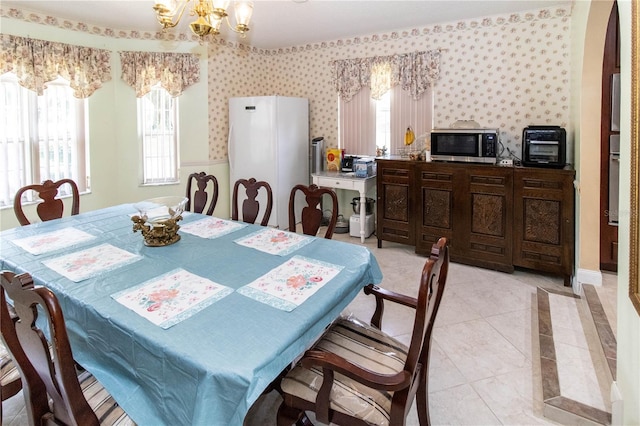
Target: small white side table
[(340, 180)]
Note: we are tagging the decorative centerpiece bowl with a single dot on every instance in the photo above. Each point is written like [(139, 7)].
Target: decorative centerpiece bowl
[(158, 220)]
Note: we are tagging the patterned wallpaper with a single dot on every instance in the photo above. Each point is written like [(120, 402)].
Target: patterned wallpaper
[(503, 71), (232, 72)]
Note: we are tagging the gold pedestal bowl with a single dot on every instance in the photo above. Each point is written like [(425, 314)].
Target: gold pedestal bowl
[(158, 220)]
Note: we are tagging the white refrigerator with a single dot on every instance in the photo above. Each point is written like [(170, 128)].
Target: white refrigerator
[(269, 140)]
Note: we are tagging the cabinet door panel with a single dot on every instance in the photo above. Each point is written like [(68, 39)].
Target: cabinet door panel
[(486, 230), (488, 211), (436, 208), (394, 206), (434, 211), (543, 220)]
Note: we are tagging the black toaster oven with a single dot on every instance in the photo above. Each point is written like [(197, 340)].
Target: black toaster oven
[(544, 146)]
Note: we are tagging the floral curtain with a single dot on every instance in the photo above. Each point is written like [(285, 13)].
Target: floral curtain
[(37, 62), (380, 79), (174, 71), (414, 72)]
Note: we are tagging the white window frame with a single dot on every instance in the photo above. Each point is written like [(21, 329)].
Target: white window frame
[(33, 129), (158, 136)]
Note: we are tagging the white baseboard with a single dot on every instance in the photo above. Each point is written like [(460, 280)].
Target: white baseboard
[(588, 276)]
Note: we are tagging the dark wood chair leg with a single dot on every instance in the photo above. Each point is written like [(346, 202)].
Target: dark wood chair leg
[(422, 401), (304, 421), (288, 416)]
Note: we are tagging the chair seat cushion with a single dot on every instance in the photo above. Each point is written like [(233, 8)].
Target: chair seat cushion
[(8, 370), (106, 408), (365, 346)]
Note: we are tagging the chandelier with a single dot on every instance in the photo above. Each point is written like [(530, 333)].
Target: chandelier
[(210, 15)]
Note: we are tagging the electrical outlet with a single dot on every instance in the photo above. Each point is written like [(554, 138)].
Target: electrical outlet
[(506, 162)]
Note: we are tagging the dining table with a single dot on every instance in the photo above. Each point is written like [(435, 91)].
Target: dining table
[(190, 333)]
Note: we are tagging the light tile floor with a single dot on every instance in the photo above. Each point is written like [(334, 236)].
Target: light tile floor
[(484, 368), (484, 365), (578, 379)]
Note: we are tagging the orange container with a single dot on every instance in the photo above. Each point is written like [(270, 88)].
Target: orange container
[(334, 159)]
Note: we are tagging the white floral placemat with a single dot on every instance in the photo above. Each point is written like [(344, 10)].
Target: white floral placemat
[(84, 264), (211, 227), (173, 297), (51, 241), (275, 241), (290, 284)]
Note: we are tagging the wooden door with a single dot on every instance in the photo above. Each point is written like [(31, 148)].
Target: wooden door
[(609, 162)]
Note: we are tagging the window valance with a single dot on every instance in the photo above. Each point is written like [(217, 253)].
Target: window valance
[(174, 71), (37, 62), (415, 72)]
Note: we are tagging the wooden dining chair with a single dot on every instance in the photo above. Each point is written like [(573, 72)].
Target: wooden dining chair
[(251, 206), (46, 364), (10, 383), (358, 375), (50, 207), (312, 214), (199, 198)]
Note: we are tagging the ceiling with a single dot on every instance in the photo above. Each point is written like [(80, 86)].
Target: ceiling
[(286, 23)]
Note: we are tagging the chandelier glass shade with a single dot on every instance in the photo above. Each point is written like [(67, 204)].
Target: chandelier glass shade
[(209, 15)]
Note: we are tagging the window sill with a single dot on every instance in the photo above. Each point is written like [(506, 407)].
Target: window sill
[(29, 203), (143, 185)]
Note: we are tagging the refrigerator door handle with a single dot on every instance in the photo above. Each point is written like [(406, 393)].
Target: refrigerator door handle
[(230, 149)]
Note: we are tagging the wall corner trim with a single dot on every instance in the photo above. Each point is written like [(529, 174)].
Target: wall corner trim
[(617, 405)]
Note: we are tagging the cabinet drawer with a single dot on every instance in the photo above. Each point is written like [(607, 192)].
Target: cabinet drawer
[(335, 183)]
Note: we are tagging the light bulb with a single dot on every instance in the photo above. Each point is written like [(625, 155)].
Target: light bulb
[(243, 11)]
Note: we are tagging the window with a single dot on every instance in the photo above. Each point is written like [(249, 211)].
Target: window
[(366, 124), (158, 125), (367, 121), (41, 137), (383, 122)]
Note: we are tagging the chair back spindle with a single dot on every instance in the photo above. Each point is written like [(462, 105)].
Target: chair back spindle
[(312, 215), (10, 382), (204, 195), (251, 206), (50, 207)]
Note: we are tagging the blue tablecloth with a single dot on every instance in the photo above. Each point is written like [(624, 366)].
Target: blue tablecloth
[(210, 368)]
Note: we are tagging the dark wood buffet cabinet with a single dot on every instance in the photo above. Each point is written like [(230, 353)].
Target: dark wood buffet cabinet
[(493, 216)]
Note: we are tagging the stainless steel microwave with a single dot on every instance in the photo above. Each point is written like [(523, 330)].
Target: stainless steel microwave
[(466, 145)]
